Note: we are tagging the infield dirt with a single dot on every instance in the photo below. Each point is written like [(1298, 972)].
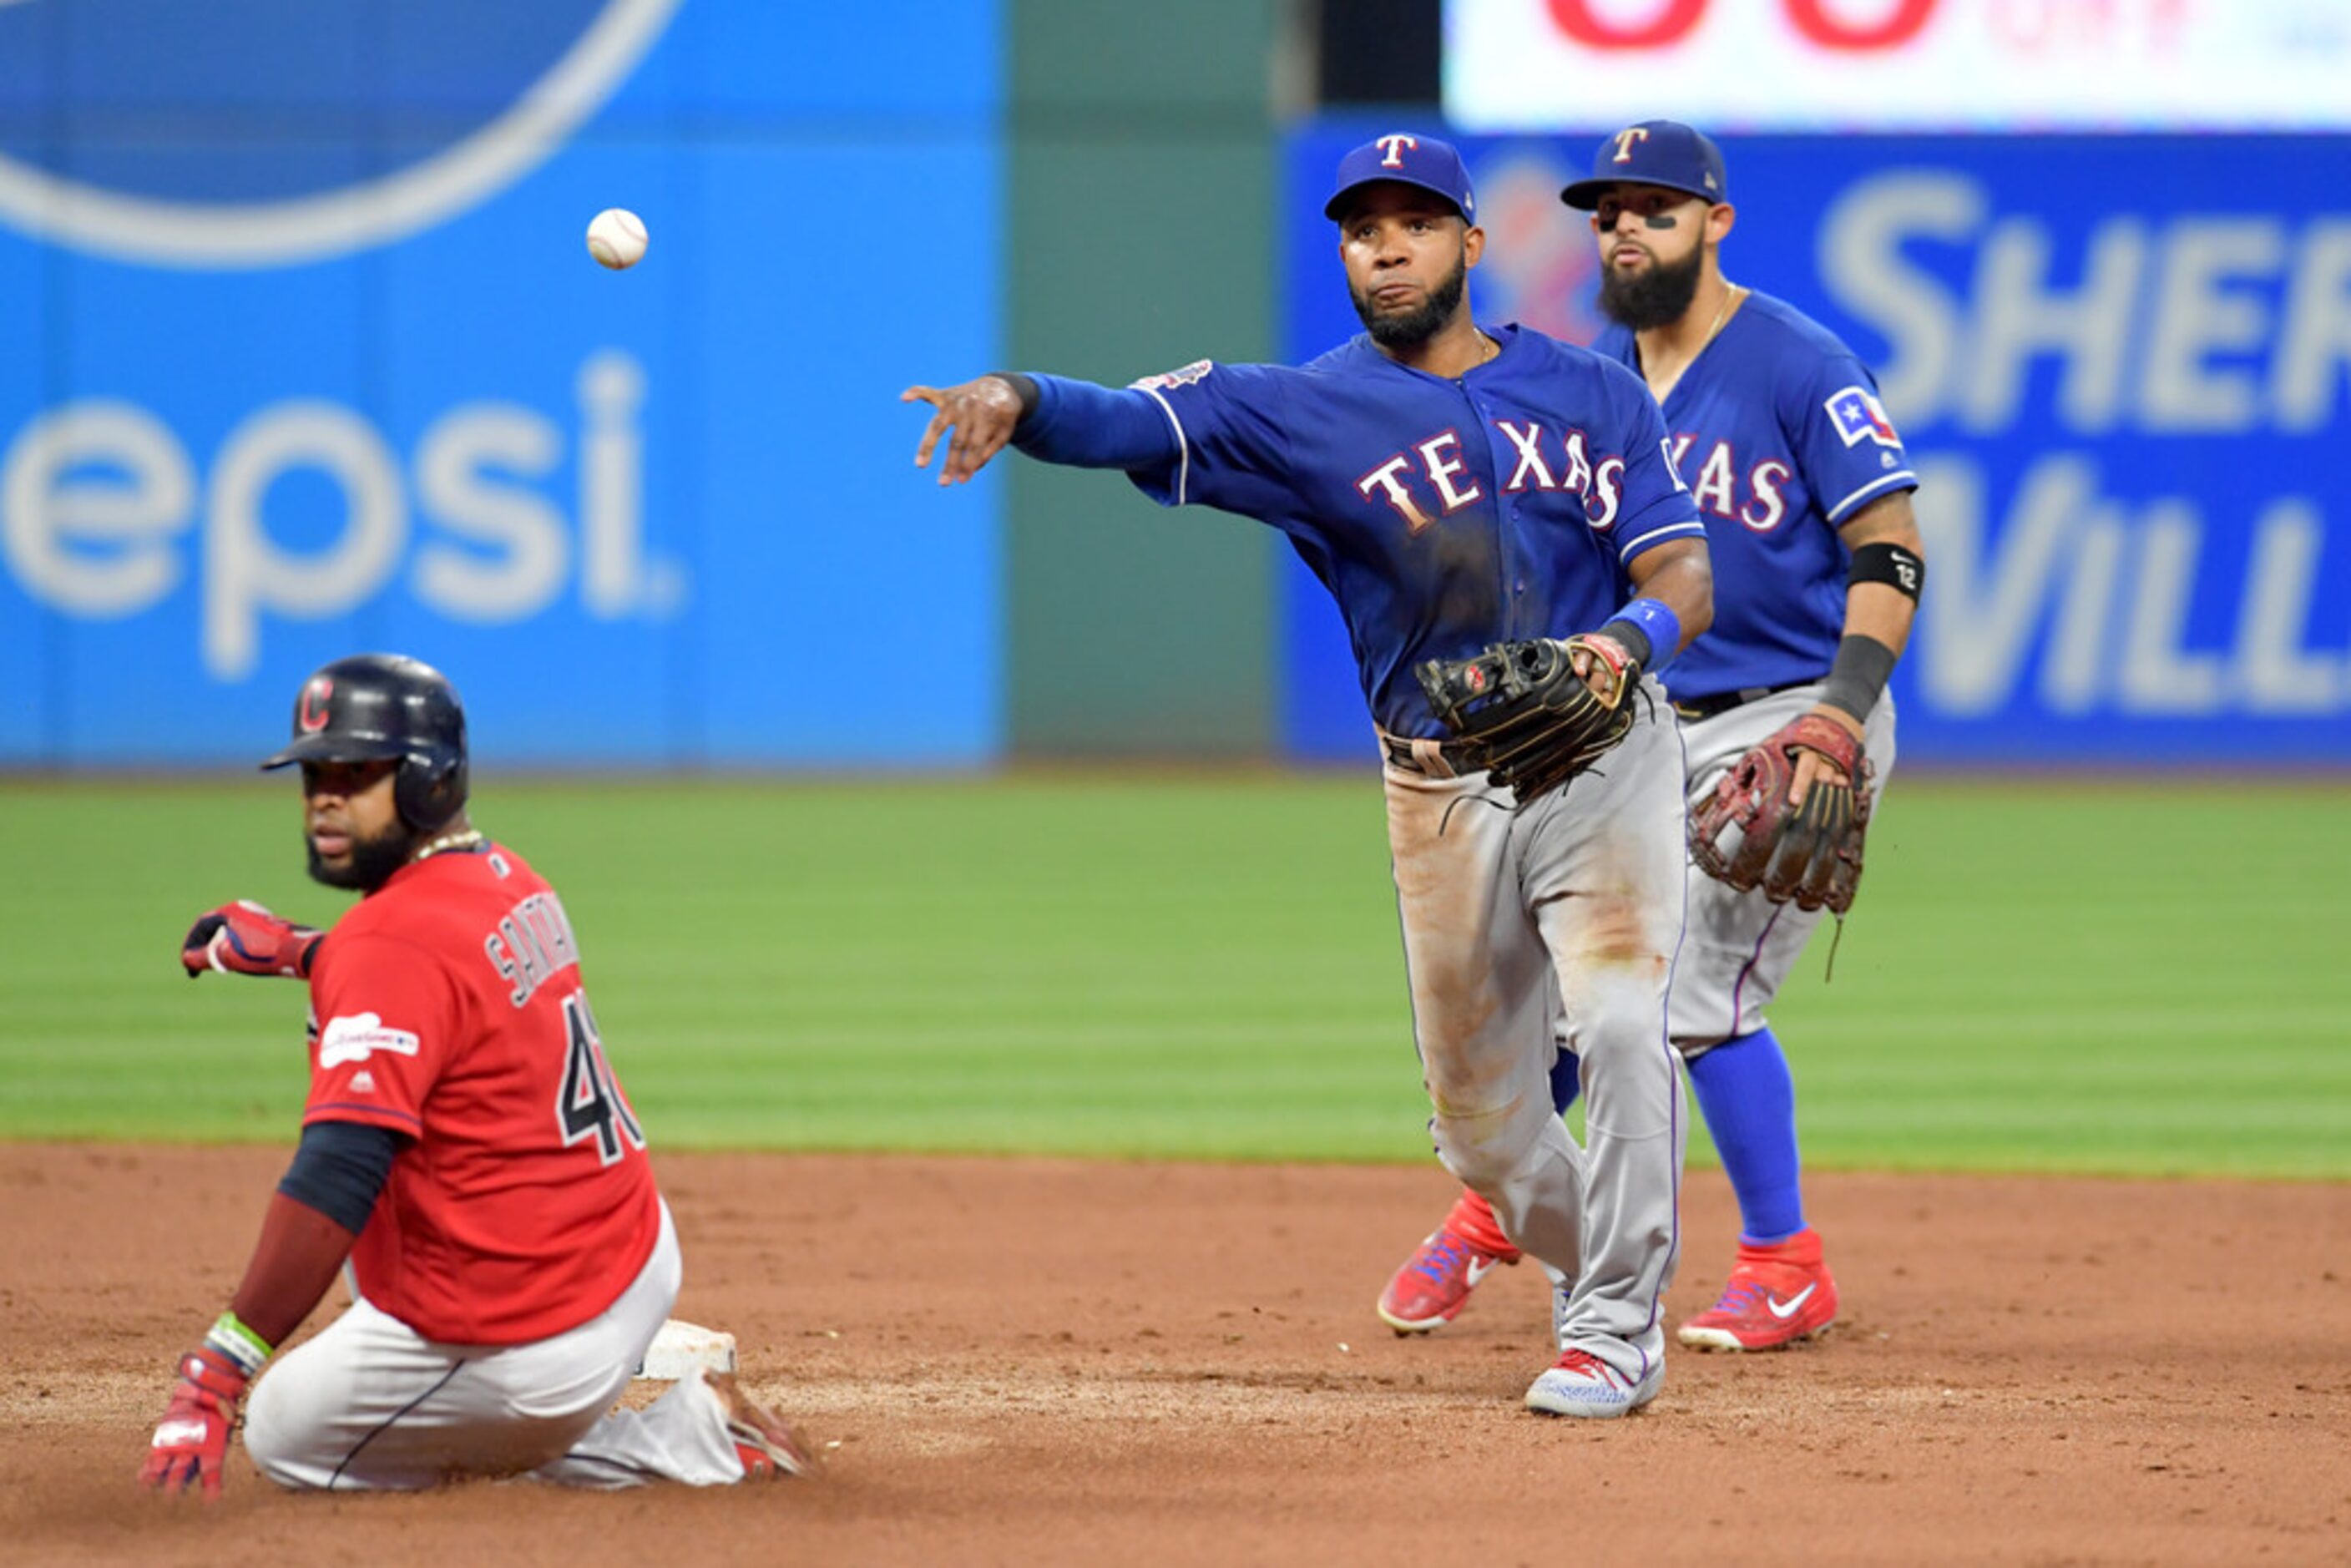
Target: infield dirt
[(1054, 1361)]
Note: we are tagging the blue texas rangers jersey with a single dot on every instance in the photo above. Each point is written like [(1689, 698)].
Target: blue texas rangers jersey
[(1778, 430), (1443, 515)]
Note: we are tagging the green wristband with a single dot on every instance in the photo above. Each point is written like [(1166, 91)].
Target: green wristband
[(239, 1344)]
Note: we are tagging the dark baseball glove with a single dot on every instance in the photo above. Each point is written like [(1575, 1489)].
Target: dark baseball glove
[(1524, 714), (1810, 854)]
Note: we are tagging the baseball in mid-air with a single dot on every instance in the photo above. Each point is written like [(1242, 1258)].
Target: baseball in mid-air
[(616, 237)]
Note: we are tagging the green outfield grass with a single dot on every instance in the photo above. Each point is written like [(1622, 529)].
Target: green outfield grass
[(2065, 977)]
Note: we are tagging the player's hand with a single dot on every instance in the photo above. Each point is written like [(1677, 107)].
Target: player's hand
[(1605, 664), (190, 1442), (981, 413), (243, 939), (1812, 765)]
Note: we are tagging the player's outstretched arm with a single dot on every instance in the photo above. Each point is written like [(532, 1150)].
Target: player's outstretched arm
[(981, 416), (1053, 419)]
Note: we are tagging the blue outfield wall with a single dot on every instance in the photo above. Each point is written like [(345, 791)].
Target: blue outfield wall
[(305, 354), (2122, 365)]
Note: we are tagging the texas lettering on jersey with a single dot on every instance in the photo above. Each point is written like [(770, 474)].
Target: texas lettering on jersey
[(1756, 498), (1540, 459)]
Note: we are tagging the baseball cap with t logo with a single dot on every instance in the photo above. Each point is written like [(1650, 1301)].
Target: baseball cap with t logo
[(1655, 153), (1408, 159)]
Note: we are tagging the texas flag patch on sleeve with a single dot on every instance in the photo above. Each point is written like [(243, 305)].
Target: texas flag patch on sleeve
[(1859, 416)]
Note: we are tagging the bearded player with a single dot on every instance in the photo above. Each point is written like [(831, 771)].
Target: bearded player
[(1461, 488), (1805, 490), (467, 1148)]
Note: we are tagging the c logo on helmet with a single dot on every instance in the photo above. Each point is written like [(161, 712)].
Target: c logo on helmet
[(493, 92), (314, 713)]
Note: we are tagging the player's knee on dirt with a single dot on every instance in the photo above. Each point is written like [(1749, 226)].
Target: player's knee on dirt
[(282, 1445)]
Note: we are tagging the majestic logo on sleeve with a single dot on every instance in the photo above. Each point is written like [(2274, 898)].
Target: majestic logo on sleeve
[(1196, 370), (485, 94), (359, 1037), (1859, 416)]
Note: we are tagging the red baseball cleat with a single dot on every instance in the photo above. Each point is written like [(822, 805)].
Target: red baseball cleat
[(1435, 1282), (1775, 1296)]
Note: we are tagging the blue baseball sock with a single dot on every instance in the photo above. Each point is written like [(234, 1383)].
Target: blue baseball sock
[(1749, 1103)]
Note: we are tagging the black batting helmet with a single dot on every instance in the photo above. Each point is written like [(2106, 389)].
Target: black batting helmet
[(376, 706)]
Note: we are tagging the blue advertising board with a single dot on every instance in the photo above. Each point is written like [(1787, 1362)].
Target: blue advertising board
[(306, 355), (2122, 365)]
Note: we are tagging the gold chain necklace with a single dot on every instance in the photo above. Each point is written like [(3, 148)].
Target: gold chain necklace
[(465, 839)]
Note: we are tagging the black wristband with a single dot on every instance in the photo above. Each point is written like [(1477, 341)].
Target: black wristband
[(1858, 676), (1636, 639), (1890, 564), (1024, 387)]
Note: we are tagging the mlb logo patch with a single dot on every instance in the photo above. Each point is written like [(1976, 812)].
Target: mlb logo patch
[(359, 1037), (1196, 370), (1858, 415)]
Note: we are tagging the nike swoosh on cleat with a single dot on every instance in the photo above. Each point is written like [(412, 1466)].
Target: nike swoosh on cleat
[(1479, 1269), (1787, 1309)]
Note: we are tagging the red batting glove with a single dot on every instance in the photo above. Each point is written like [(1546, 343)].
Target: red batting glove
[(243, 939), (192, 1440)]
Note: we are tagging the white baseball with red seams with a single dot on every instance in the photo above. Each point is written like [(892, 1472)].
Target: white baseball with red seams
[(617, 238)]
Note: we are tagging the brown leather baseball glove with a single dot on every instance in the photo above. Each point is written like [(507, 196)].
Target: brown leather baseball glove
[(1811, 855), (1523, 714)]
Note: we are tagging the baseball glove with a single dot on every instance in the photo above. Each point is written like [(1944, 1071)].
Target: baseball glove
[(1523, 714), (1810, 854)]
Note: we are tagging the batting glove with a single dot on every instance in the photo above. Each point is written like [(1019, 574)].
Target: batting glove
[(243, 939), (192, 1440)]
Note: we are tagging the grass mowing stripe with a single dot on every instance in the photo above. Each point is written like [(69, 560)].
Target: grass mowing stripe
[(1210, 966)]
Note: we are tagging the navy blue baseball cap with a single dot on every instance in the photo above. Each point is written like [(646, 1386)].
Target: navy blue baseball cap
[(1408, 159), (1655, 153)]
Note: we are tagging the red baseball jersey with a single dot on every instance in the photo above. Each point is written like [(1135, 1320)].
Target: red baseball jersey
[(447, 1007)]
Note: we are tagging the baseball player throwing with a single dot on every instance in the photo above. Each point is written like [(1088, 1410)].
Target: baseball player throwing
[(1471, 495), (1806, 491), (467, 1148)]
